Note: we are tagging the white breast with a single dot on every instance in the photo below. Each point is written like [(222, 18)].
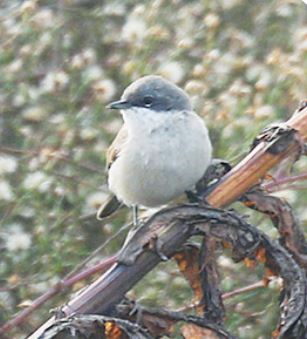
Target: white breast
[(165, 155)]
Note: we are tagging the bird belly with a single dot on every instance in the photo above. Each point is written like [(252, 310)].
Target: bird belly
[(158, 168)]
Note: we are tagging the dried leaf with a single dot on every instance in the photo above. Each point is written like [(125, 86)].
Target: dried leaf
[(112, 331), (187, 261), (260, 255), (249, 263)]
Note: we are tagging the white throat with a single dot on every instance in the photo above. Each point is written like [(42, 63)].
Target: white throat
[(143, 120)]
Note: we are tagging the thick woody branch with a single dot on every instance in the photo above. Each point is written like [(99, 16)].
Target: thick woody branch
[(262, 158)]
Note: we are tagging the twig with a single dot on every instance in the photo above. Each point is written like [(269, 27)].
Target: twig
[(285, 180), (229, 295), (61, 157), (245, 289)]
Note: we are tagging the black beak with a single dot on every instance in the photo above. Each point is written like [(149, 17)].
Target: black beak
[(120, 104)]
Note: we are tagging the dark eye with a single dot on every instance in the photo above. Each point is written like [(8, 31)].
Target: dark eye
[(148, 100)]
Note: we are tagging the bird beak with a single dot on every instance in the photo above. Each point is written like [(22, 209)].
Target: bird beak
[(120, 104)]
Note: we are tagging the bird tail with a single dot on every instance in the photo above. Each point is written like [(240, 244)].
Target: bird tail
[(109, 207)]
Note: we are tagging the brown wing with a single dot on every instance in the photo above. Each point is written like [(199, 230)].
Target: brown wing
[(116, 146), (112, 204)]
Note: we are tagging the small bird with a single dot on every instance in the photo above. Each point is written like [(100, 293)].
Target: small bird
[(160, 152)]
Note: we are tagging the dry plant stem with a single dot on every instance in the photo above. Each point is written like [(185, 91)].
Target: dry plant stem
[(286, 180), (255, 165), (209, 276), (228, 295), (245, 289)]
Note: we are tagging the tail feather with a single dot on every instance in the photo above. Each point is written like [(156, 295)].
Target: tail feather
[(109, 207)]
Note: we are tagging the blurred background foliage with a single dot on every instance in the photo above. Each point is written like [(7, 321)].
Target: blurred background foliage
[(244, 64)]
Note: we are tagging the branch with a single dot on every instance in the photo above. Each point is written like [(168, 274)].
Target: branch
[(260, 160)]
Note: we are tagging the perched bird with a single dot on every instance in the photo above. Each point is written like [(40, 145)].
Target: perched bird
[(162, 149)]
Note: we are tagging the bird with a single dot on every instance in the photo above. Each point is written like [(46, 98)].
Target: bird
[(162, 150)]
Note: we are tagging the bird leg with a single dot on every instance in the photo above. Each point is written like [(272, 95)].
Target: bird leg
[(135, 215)]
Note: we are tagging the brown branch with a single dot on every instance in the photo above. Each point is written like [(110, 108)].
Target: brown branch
[(245, 289), (285, 180), (209, 276), (280, 212), (257, 163)]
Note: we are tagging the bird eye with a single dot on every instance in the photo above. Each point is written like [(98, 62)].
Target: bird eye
[(148, 100)]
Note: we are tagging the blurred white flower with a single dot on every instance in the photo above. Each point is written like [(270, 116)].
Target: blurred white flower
[(28, 7), (34, 114), (224, 64), (213, 55), (8, 164), (26, 50), (114, 8), (228, 101), (239, 88), (6, 192), (100, 146), (212, 20), (227, 4), (54, 81), (27, 212), (264, 81), (37, 181), (104, 89), (44, 18), (19, 100), (134, 29), (226, 262), (57, 119), (86, 57), (195, 87), (14, 66), (92, 73), (199, 70), (95, 200), (88, 133), (185, 43), (284, 10), (46, 39), (264, 112), (12, 27), (172, 70), (256, 72), (16, 238)]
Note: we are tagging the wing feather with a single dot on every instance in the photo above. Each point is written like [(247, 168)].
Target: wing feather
[(116, 146)]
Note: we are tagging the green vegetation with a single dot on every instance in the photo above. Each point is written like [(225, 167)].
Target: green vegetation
[(244, 64)]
